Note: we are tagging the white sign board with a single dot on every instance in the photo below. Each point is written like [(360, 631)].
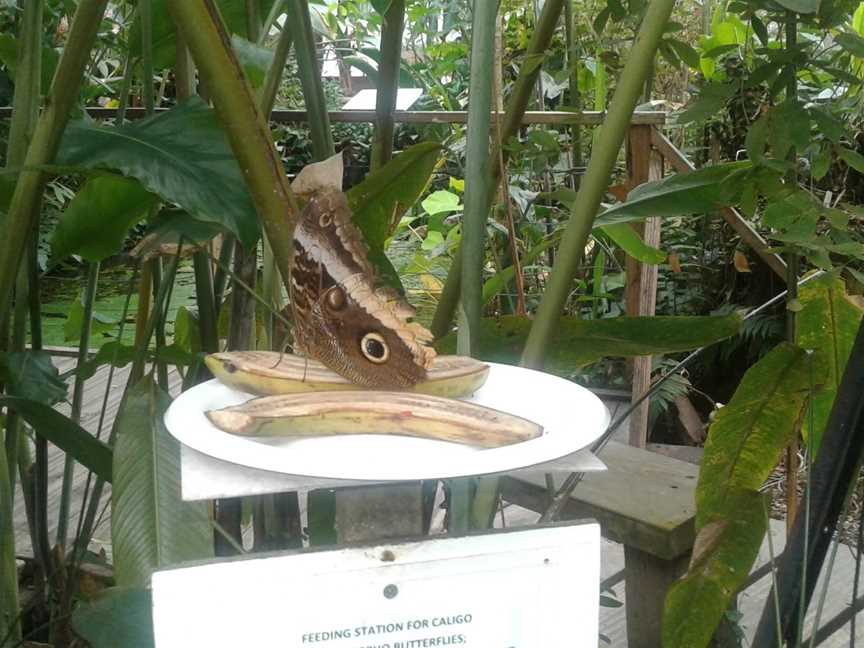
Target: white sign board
[(532, 588)]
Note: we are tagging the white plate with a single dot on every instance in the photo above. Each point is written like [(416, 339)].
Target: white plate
[(572, 417)]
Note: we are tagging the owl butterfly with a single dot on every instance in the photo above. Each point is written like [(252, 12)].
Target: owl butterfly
[(341, 318)]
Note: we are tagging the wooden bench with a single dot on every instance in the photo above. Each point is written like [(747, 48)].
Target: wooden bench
[(645, 501)]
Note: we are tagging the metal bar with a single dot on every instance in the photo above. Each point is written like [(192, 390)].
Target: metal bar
[(832, 475), (749, 235), (835, 624), (590, 118)]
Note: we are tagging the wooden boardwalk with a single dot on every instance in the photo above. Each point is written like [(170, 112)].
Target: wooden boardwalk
[(612, 620)]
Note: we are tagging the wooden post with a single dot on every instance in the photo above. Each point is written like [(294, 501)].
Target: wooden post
[(644, 165)]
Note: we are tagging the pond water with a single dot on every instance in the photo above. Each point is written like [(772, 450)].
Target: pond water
[(59, 294)]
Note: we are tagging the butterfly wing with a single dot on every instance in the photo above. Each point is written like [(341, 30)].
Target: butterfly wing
[(341, 318)]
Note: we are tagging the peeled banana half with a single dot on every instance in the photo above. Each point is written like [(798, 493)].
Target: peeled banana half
[(374, 412), (268, 373)]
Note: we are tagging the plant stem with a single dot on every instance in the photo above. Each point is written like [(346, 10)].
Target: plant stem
[(478, 168), (253, 21), (593, 187), (17, 225), (310, 80), (244, 125), (275, 11), (9, 625), (268, 91), (388, 83), (517, 104), (145, 13), (792, 268), (575, 98), (77, 399)]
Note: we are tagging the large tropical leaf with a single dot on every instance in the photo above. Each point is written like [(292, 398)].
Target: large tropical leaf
[(385, 195), (681, 194), (97, 220), (182, 155), (63, 432), (119, 616), (628, 239), (9, 57), (233, 14), (151, 527), (827, 324), (744, 445), (32, 375), (579, 342)]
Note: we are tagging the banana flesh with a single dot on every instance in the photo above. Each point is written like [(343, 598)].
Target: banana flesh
[(269, 373), (374, 412)]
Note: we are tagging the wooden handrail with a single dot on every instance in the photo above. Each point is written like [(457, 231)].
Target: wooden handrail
[(590, 118)]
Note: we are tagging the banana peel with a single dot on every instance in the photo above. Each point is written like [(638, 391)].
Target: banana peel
[(266, 373), (374, 412)]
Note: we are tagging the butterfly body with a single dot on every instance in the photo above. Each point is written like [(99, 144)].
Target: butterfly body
[(341, 318)]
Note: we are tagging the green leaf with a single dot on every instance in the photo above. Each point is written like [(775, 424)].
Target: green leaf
[(710, 101), (97, 220), (181, 155), (256, 60), (579, 342), (170, 226), (99, 323), (381, 6), (851, 42), (63, 432), (629, 240), (852, 158), (749, 434), (441, 202), (151, 527), (723, 554), (118, 616), (32, 375), (827, 324), (760, 29), (744, 445), (233, 14), (685, 52), (362, 64), (386, 194), (699, 191), (800, 6), (9, 58)]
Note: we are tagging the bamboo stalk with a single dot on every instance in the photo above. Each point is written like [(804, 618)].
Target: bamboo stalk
[(478, 170), (77, 399), (593, 187), (10, 628), (244, 125), (268, 91), (513, 118), (792, 268), (15, 228), (388, 83), (310, 80)]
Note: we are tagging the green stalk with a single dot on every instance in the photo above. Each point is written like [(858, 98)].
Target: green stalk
[(253, 21), (77, 399), (575, 98), (145, 12), (9, 625), (517, 104), (244, 125), (310, 80), (18, 223), (25, 103), (388, 83), (267, 92), (275, 12), (478, 169), (593, 187), (159, 329)]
